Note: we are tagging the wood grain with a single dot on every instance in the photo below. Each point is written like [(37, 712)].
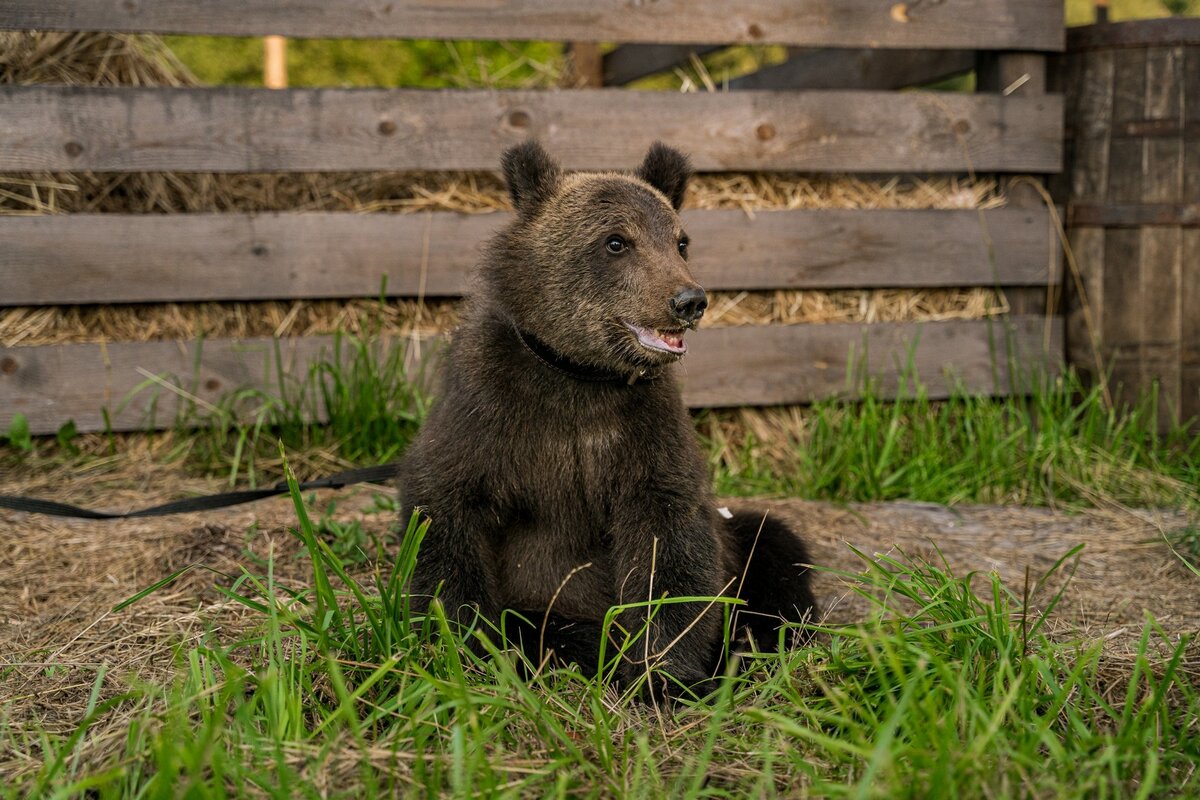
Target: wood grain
[(767, 365), (760, 365), (1087, 83), (121, 258), (1123, 262), (1189, 336), (1084, 311), (989, 24), (1162, 247), (1189, 405), (1094, 126), (256, 130)]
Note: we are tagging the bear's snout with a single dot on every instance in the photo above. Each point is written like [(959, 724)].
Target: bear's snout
[(688, 305)]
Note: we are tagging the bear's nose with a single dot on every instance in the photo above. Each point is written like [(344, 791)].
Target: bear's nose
[(688, 306)]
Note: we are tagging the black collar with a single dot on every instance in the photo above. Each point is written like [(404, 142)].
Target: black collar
[(573, 369)]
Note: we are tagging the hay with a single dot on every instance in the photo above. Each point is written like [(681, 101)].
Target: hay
[(463, 192), (44, 325), (163, 321), (90, 59)]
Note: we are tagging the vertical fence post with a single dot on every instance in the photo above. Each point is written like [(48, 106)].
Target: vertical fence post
[(275, 62), (1025, 74), (585, 65)]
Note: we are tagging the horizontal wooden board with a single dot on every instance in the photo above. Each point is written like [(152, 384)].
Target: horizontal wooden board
[(1169, 32), (260, 130), (760, 365), (777, 364), (859, 69), (1133, 215), (1000, 24), (123, 258)]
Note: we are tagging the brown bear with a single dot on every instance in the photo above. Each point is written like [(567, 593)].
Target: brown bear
[(559, 468)]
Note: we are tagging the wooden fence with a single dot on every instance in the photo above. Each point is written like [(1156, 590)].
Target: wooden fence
[(831, 108)]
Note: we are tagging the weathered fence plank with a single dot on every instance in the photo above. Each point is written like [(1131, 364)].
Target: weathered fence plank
[(778, 364), (988, 24), (123, 258), (1173, 31), (256, 130), (759, 365)]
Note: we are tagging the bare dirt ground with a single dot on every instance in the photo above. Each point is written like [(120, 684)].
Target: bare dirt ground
[(59, 579)]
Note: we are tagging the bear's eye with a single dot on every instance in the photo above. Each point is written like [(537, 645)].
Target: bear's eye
[(683, 244), (615, 245)]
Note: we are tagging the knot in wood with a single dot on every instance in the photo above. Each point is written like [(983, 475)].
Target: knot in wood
[(519, 119), (8, 365)]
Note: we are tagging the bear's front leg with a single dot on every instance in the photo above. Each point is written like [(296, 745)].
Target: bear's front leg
[(456, 563), (667, 548)]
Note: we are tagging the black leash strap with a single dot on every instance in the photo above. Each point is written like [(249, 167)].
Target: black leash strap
[(32, 505)]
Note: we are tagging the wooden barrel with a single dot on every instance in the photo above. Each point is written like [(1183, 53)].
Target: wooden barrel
[(1131, 186)]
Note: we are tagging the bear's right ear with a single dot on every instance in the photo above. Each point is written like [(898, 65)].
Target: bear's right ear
[(531, 174), (667, 170)]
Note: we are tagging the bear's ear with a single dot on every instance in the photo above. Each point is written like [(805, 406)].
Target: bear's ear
[(667, 170), (531, 174)]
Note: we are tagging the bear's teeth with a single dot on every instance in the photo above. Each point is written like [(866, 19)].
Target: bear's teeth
[(656, 339)]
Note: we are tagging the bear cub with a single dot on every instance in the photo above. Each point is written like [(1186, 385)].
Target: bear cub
[(559, 468)]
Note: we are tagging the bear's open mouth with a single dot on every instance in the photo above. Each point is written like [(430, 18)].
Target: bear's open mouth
[(663, 341)]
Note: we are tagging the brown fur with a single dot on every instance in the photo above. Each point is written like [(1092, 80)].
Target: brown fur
[(561, 441)]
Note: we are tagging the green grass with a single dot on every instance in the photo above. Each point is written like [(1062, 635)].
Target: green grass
[(342, 690), (368, 407), (1081, 12), (1061, 445), (221, 60)]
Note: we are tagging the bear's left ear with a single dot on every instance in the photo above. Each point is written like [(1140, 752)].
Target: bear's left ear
[(667, 170), (531, 174)]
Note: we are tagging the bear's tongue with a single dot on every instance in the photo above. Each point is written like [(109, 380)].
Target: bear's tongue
[(667, 341)]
